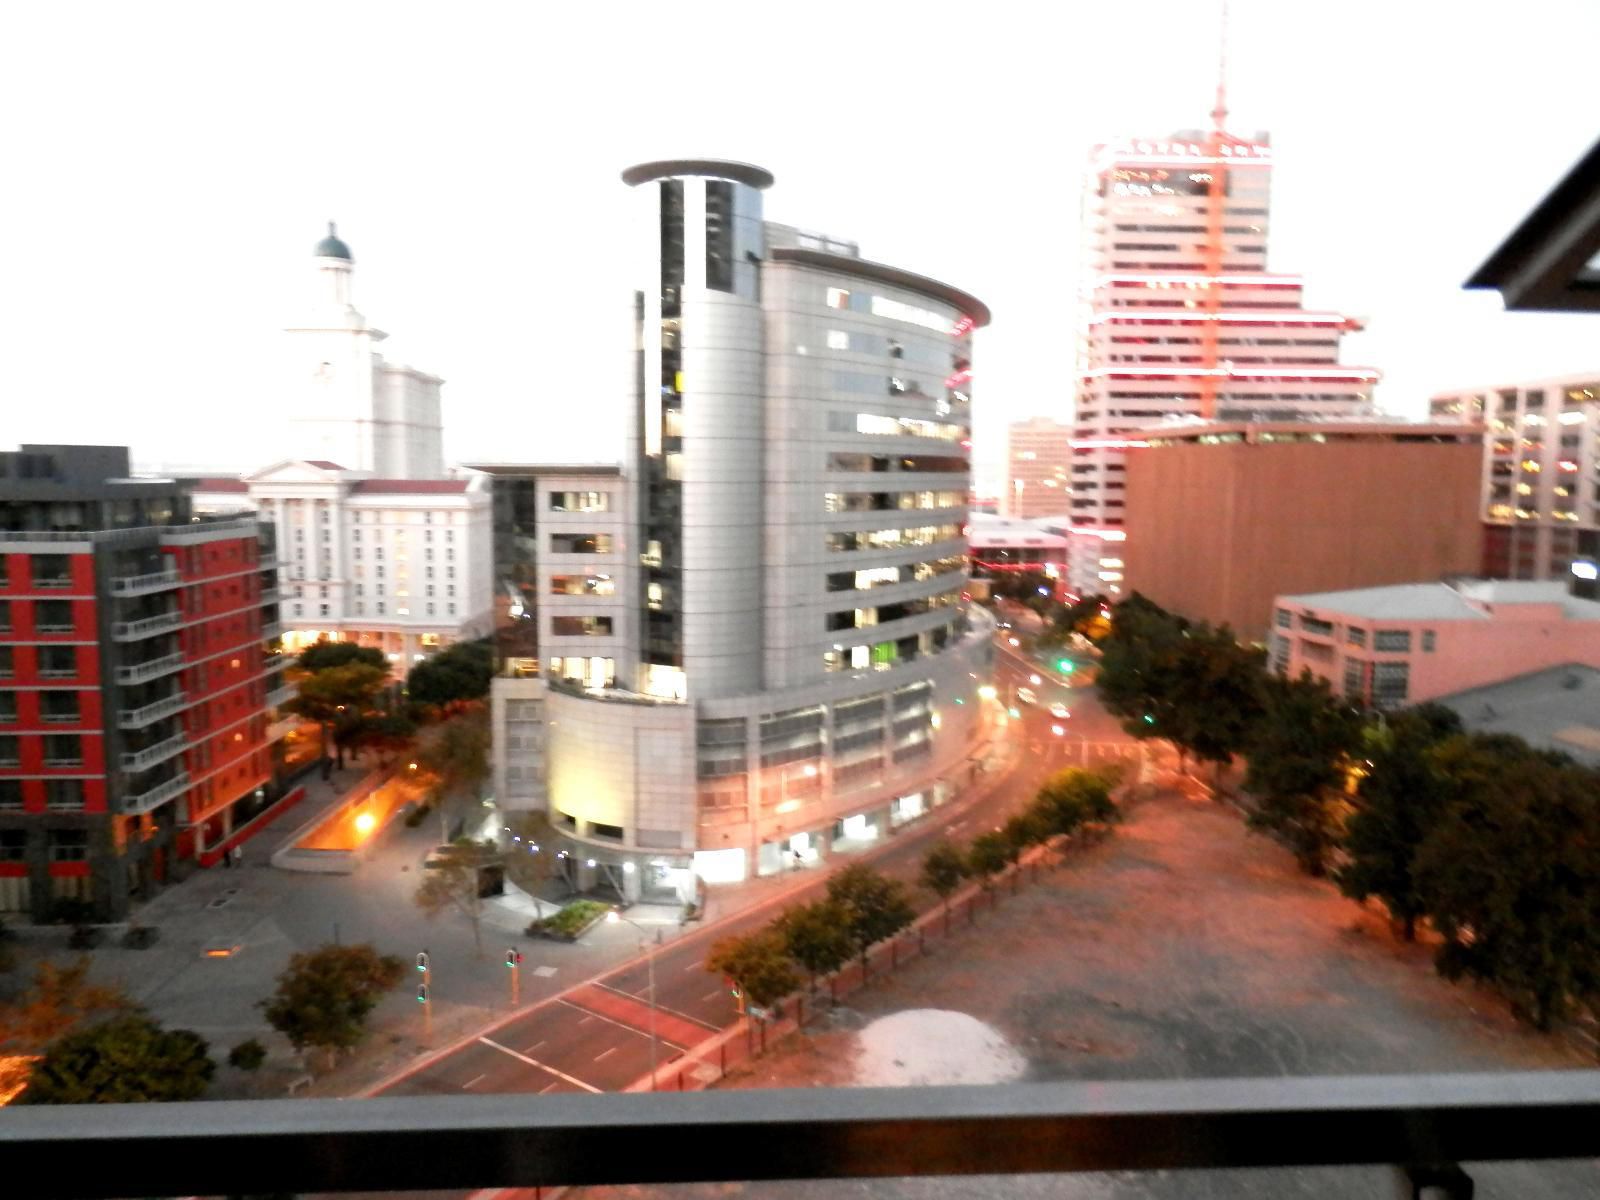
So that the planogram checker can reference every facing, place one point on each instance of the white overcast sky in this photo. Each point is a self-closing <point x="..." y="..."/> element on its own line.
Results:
<point x="169" y="167"/>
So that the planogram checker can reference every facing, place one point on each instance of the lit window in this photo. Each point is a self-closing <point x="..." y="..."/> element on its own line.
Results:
<point x="838" y="298"/>
<point x="838" y="339"/>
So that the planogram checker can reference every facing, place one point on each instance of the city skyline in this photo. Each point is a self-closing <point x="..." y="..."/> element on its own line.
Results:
<point x="175" y="226"/>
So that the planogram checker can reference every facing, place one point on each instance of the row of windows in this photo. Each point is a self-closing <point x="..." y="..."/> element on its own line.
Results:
<point x="49" y="616"/>
<point x="580" y="502"/>
<point x="883" y="656"/>
<point x="366" y="516"/>
<point x="863" y="618"/>
<point x="879" y="425"/>
<point x="888" y="539"/>
<point x="379" y="609"/>
<point x="60" y="750"/>
<point x="882" y="462"/>
<point x="834" y="502"/>
<point x="871" y="577"/>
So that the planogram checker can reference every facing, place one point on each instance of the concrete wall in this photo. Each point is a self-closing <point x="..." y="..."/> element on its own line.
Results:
<point x="1217" y="531"/>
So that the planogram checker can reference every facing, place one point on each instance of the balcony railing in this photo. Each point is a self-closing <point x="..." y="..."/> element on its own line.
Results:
<point x="1420" y="1124"/>
<point x="139" y="585"/>
<point x="155" y="668"/>
<point x="138" y="760"/>
<point x="281" y="695"/>
<point x="156" y="796"/>
<point x="271" y="629"/>
<point x="138" y="718"/>
<point x="269" y="595"/>
<point x="132" y="631"/>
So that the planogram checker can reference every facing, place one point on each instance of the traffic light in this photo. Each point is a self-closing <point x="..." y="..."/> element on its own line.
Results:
<point x="513" y="957"/>
<point x="735" y="991"/>
<point x="422" y="963"/>
<point x="1064" y="665"/>
<point x="1149" y="720"/>
<point x="422" y="993"/>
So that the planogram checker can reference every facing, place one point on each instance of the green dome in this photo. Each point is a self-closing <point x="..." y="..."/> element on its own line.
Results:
<point x="332" y="247"/>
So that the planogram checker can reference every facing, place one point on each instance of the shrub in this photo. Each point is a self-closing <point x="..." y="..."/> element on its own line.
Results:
<point x="571" y="920"/>
<point x="248" y="1055"/>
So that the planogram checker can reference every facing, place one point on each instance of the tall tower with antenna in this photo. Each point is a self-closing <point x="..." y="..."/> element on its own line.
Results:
<point x="1180" y="319"/>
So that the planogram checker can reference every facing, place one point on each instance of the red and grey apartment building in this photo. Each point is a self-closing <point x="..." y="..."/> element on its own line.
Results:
<point x="138" y="676"/>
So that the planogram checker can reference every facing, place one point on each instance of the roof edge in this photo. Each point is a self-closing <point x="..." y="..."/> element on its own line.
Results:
<point x="864" y="268"/>
<point x="717" y="168"/>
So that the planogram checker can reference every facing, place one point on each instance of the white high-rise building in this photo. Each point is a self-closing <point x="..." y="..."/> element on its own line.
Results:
<point x="753" y="643"/>
<point x="340" y="400"/>
<point x="1182" y="319"/>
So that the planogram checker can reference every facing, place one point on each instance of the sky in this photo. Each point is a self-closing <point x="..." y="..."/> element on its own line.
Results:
<point x="171" y="165"/>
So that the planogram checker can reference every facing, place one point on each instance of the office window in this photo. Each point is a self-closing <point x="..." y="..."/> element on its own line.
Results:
<point x="1391" y="682"/>
<point x="10" y="750"/>
<point x="1427" y="641"/>
<point x="51" y="571"/>
<point x="450" y="572"/>
<point x="430" y="608"/>
<point x="52" y="616"/>
<point x="11" y="798"/>
<point x="380" y="608"/>
<point x="69" y="845"/>
<point x="1392" y="640"/>
<point x="59" y="707"/>
<point x="58" y="662"/>
<point x="63" y="793"/>
<point x="452" y="610"/>
<point x="322" y="610"/>
<point x="450" y="589"/>
<point x="5" y="608"/>
<point x="1356" y="637"/>
<point x="63" y="750"/>
<point x="7" y="663"/>
<point x="13" y="842"/>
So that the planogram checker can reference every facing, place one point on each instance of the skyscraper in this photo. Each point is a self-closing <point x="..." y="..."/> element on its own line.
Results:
<point x="1181" y="318"/>
<point x="1038" y="463"/>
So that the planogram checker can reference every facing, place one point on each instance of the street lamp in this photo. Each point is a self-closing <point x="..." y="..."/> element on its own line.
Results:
<point x="612" y="918"/>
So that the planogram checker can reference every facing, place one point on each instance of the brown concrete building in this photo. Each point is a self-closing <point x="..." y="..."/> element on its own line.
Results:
<point x="1038" y="457"/>
<point x="1227" y="516"/>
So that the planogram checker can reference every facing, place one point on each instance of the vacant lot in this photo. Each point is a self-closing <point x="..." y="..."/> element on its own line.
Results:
<point x="1182" y="948"/>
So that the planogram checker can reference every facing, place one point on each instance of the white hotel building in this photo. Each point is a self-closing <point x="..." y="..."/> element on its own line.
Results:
<point x="400" y="564"/>
<point x="1182" y="319"/>
<point x="773" y="582"/>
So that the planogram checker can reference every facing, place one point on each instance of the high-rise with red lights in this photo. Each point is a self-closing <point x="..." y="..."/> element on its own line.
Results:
<point x="1182" y="319"/>
<point x="137" y="680"/>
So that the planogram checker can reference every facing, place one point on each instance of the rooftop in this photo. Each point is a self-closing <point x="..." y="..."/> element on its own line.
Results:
<point x="1557" y="708"/>
<point x="1465" y="600"/>
<point x="533" y="470"/>
<point x="404" y="486"/>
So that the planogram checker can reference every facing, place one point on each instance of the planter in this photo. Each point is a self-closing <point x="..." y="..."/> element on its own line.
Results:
<point x="571" y="923"/>
<point x="141" y="937"/>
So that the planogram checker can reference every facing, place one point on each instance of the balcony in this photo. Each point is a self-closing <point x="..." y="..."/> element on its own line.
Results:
<point x="156" y="796"/>
<point x="132" y="631"/>
<point x="155" y="668"/>
<point x="151" y="755"/>
<point x="269" y="595"/>
<point x="1420" y="1125"/>
<point x="138" y="718"/>
<point x="282" y="695"/>
<point x="271" y="629"/>
<point x="141" y="585"/>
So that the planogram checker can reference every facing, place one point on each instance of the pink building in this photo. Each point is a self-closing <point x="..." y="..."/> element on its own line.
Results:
<point x="1393" y="646"/>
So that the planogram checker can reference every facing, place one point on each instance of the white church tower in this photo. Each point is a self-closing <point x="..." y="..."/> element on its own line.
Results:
<point x="342" y="402"/>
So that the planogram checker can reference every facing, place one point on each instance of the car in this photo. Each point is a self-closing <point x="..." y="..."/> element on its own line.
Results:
<point x="1059" y="710"/>
<point x="1034" y="679"/>
<point x="1026" y="696"/>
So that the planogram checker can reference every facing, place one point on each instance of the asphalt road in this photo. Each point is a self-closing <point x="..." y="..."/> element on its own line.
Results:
<point x="596" y="1036"/>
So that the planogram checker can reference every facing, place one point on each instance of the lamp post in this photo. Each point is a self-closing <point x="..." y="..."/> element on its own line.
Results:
<point x="612" y="918"/>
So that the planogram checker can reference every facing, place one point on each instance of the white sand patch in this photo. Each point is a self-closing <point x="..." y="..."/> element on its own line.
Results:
<point x="930" y="1046"/>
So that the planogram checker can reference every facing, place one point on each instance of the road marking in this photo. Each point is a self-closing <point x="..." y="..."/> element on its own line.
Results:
<point x="532" y="1048"/>
<point x="551" y="1088"/>
<point x="588" y="1087"/>
<point x="619" y="1024"/>
<point x="471" y="1081"/>
<point x="711" y="995"/>
<point x="699" y="966"/>
<point x="605" y="1054"/>
<point x="661" y="1007"/>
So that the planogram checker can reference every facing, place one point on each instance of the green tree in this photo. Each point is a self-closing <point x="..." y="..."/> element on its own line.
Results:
<point x="460" y="672"/>
<point x="248" y="1055"/>
<point x="456" y="756"/>
<point x="389" y="734"/>
<point x="875" y="906"/>
<point x="817" y="937"/>
<point x="324" y="996"/>
<point x="758" y="962"/>
<point x="322" y="655"/>
<point x="1299" y="762"/>
<point x="989" y="855"/>
<point x="944" y="869"/>
<point x="1139" y="668"/>
<point x="1075" y="798"/>
<point x="453" y="879"/>
<point x="1215" y="694"/>
<point x="1510" y="873"/>
<point x="1027" y="828"/>
<point x="127" y="1059"/>
<point x="60" y="1000"/>
<point x="336" y="697"/>
<point x="1398" y="801"/>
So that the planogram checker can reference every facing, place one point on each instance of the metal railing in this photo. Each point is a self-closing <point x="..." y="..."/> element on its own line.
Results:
<point x="158" y="795"/>
<point x="131" y="631"/>
<point x="271" y="629"/>
<point x="139" y="585"/>
<point x="281" y="695"/>
<point x="152" y="669"/>
<point x="270" y="595"/>
<point x="138" y="718"/>
<point x="1424" y="1122"/>
<point x="138" y="760"/>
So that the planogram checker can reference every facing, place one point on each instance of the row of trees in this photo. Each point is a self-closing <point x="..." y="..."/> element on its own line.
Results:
<point x="1493" y="843"/>
<point x="863" y="907"/>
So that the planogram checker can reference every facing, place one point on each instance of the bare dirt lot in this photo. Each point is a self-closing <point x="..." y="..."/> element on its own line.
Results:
<point x="1183" y="947"/>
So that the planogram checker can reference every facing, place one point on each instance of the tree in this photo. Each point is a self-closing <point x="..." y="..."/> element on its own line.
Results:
<point x="127" y="1059"/>
<point x="453" y="878"/>
<point x="1215" y="694"/>
<point x="388" y="734"/>
<point x="457" y="757"/>
<point x="248" y="1055"/>
<point x="323" y="655"/>
<point x="1299" y="762"/>
<point x="758" y="962"/>
<point x="1509" y="873"/>
<point x="875" y="906"/>
<point x="324" y="996"/>
<point x="817" y="937"/>
<point x="529" y="857"/>
<point x="1137" y="681"/>
<point x="61" y="999"/>
<point x="460" y="672"/>
<point x="944" y="868"/>
<point x="1398" y="801"/>
<point x="1074" y="798"/>
<point x="337" y="696"/>
<point x="990" y="854"/>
